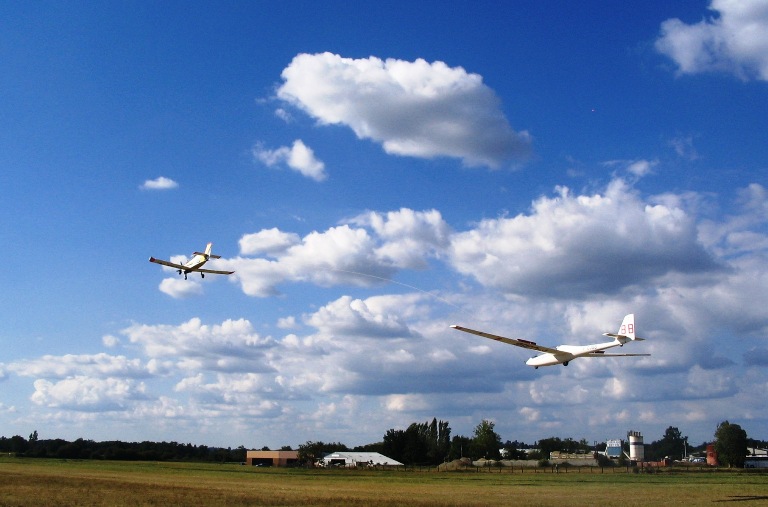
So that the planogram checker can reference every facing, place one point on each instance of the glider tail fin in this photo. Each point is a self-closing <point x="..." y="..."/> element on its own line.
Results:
<point x="626" y="331"/>
<point x="628" y="327"/>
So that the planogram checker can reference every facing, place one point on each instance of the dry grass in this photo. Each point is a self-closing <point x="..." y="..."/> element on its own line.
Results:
<point x="53" y="482"/>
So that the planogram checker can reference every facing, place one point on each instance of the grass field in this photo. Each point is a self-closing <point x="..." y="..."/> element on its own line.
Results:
<point x="56" y="482"/>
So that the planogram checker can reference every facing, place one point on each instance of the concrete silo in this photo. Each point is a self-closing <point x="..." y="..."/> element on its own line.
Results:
<point x="636" y="449"/>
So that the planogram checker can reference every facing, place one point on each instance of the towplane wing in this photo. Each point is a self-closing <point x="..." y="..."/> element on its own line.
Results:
<point x="214" y="272"/>
<point x="166" y="263"/>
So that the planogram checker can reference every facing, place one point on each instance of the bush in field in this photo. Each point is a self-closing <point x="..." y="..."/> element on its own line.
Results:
<point x="603" y="460"/>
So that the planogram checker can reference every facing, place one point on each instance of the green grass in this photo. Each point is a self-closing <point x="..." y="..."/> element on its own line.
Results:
<point x="57" y="482"/>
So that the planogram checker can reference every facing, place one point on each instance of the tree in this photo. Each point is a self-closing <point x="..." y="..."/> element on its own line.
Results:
<point x="549" y="445"/>
<point x="33" y="439"/>
<point x="672" y="445"/>
<point x="415" y="449"/>
<point x="460" y="447"/>
<point x="731" y="444"/>
<point x="372" y="447"/>
<point x="422" y="443"/>
<point x="311" y="451"/>
<point x="394" y="444"/>
<point x="486" y="442"/>
<point x="437" y="438"/>
<point x="240" y="454"/>
<point x="18" y="444"/>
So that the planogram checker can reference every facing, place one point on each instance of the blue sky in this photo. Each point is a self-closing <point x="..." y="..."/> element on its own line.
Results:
<point x="375" y="172"/>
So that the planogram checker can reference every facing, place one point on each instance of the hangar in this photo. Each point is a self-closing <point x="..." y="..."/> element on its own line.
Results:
<point x="272" y="458"/>
<point x="354" y="459"/>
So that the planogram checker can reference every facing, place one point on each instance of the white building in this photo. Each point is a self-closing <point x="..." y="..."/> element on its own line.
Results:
<point x="354" y="459"/>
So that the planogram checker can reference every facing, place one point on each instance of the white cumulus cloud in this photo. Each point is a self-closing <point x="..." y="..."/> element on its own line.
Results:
<point x="408" y="236"/>
<point x="735" y="41"/>
<point x="354" y="317"/>
<point x="567" y="245"/>
<point x="322" y="257"/>
<point x="159" y="183"/>
<point x="416" y="109"/>
<point x="84" y="393"/>
<point x="571" y="245"/>
<point x="268" y="241"/>
<point x="179" y="289"/>
<point x="298" y="157"/>
<point x="94" y="365"/>
<point x="230" y="346"/>
<point x="363" y="252"/>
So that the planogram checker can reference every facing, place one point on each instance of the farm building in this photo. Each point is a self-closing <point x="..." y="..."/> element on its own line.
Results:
<point x="756" y="462"/>
<point x="272" y="458"/>
<point x="613" y="448"/>
<point x="711" y="455"/>
<point x="353" y="459"/>
<point x="757" y="458"/>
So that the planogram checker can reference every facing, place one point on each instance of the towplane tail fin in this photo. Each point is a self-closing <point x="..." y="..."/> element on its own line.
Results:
<point x="207" y="254"/>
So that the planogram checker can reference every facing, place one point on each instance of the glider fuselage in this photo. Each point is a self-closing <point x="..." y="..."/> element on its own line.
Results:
<point x="563" y="354"/>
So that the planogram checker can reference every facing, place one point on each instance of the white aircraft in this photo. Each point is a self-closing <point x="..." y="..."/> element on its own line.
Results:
<point x="195" y="263"/>
<point x="563" y="354"/>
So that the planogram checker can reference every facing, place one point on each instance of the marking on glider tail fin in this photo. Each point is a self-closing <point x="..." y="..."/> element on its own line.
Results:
<point x="628" y="326"/>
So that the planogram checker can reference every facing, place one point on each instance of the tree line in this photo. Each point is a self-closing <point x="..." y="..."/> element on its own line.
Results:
<point x="428" y="443"/>
<point x="34" y="447"/>
<point x="431" y="443"/>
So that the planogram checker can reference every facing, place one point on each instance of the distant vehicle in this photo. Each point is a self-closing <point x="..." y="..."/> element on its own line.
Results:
<point x="194" y="264"/>
<point x="563" y="354"/>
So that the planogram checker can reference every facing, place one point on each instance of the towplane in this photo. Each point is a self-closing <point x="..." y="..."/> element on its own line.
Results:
<point x="563" y="354"/>
<point x="194" y="264"/>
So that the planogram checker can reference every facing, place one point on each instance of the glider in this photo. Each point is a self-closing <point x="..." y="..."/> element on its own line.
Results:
<point x="563" y="354"/>
<point x="194" y="264"/>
